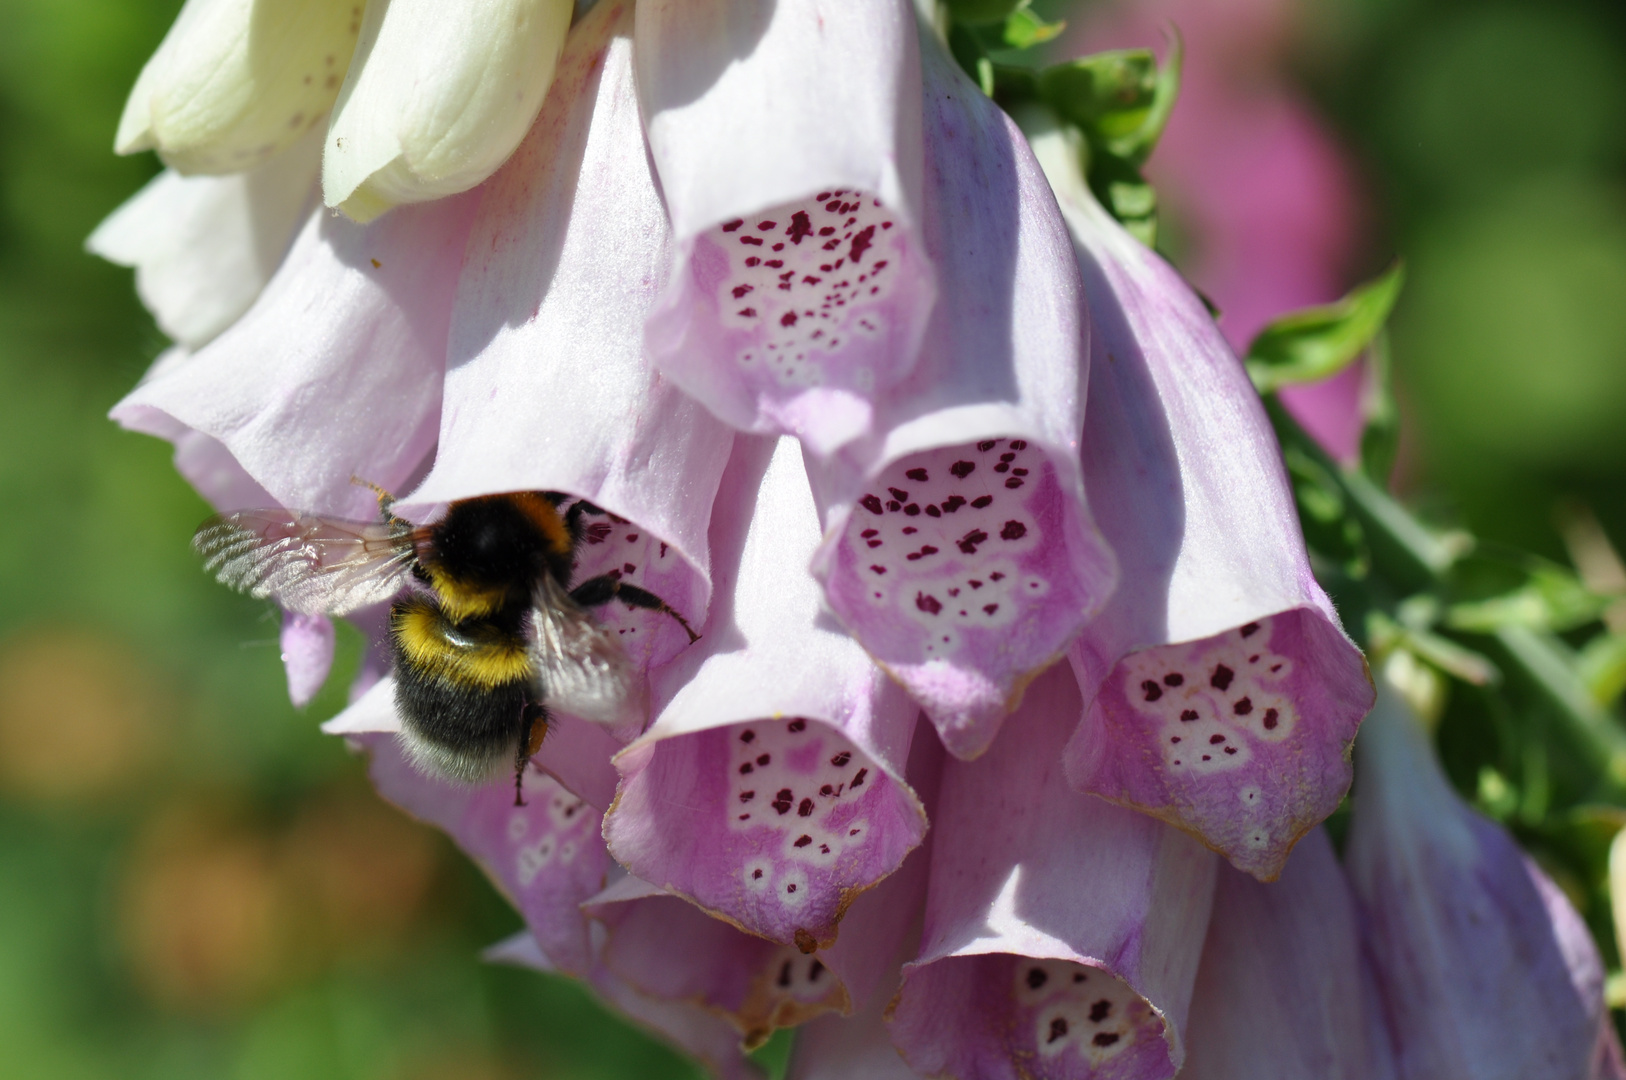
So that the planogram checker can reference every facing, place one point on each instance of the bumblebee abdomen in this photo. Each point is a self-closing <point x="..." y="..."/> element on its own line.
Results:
<point x="461" y="689"/>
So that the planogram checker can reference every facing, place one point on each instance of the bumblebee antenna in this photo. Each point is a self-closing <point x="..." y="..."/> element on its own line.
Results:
<point x="385" y="499"/>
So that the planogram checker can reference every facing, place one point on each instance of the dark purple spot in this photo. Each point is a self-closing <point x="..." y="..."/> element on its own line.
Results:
<point x="1007" y="457"/>
<point x="756" y="875"/>
<point x="1188" y="715"/>
<point x="767" y="226"/>
<point x="878" y="569"/>
<point x="862" y="242"/>
<point x="859" y="779"/>
<point x="788" y="319"/>
<point x="870" y="503"/>
<point x="1019" y="444"/>
<point x="927" y="603"/>
<point x="1002" y="468"/>
<point x="815" y="971"/>
<point x="1221" y="679"/>
<point x="990" y="608"/>
<point x="792" y="888"/>
<point x="913" y="509"/>
<point x="1102" y="1038"/>
<point x="1013" y="530"/>
<point x="1153" y="691"/>
<point x="898" y="494"/>
<point x="1270" y="719"/>
<point x="803" y="840"/>
<point x="987" y="445"/>
<point x="796" y="725"/>
<point x="747" y="796"/>
<point x="800" y="226"/>
<point x="1243" y="707"/>
<point x="753" y="261"/>
<point x="784" y="972"/>
<point x="805" y="809"/>
<point x="1250" y="630"/>
<point x="827" y="790"/>
<point x="968" y="543"/>
<point x="1230" y="749"/>
<point x="894" y="505"/>
<point x="1173" y="678"/>
<point x="1037" y="978"/>
<point x="932" y="511"/>
<point x="1174" y="739"/>
<point x="917" y="475"/>
<point x="747" y="769"/>
<point x="867" y="533"/>
<point x="1100" y="1011"/>
<point x="982" y="501"/>
<point x="1215" y="740"/>
<point x="747" y="735"/>
<point x="963" y="469"/>
<point x="952" y="503"/>
<point x="1058" y="1030"/>
<point x="841" y="759"/>
<point x="733" y="225"/>
<point x="741" y="290"/>
<point x="1014" y="482"/>
<point x="754" y="241"/>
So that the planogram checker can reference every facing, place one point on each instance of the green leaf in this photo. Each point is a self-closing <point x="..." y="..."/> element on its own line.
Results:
<point x="967" y="49"/>
<point x="1311" y="344"/>
<point x="1380" y="433"/>
<point x="1551" y="599"/>
<point x="1024" y="29"/>
<point x="1385" y="634"/>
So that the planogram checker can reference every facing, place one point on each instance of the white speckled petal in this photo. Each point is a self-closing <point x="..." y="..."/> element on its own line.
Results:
<point x="203" y="246"/>
<point x="336" y="370"/>
<point x="1283" y="991"/>
<point x="547" y="387"/>
<point x="1223" y="694"/>
<point x="666" y="948"/>
<point x="235" y="82"/>
<point x="787" y="138"/>
<point x="438" y="97"/>
<point x="959" y="549"/>
<point x="1062" y="933"/>
<point x="1480" y="982"/>
<point x="770" y="789"/>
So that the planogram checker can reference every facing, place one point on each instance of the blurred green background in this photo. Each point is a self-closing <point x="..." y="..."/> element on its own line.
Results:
<point x="195" y="883"/>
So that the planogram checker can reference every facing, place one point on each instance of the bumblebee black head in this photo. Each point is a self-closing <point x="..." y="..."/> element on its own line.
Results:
<point x="486" y="553"/>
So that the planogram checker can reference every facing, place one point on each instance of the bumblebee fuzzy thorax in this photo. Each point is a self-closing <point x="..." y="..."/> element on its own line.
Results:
<point x="486" y="554"/>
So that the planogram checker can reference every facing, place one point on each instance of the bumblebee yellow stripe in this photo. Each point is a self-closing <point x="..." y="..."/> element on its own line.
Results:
<point x="475" y="656"/>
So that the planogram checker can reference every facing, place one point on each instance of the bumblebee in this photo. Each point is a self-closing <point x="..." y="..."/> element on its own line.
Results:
<point x="492" y="632"/>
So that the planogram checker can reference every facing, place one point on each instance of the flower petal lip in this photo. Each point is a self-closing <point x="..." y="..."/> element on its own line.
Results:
<point x="1223" y="694"/>
<point x="669" y="949"/>
<point x="546" y="857"/>
<point x="236" y="82"/>
<point x="1475" y="973"/>
<point x="787" y="140"/>
<point x="1283" y="991"/>
<point x="1058" y="928"/>
<point x="546" y="385"/>
<point x="970" y="484"/>
<point x="437" y="98"/>
<point x="770" y="789"/>
<point x="307" y="654"/>
<point x="336" y="370"/>
<point x="204" y="246"/>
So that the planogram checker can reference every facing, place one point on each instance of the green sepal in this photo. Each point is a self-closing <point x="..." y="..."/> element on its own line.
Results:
<point x="1384" y="634"/>
<point x="1024" y="29"/>
<point x="969" y="52"/>
<point x="1551" y="599"/>
<point x="984" y="12"/>
<point x="1380" y="431"/>
<point x="1109" y="95"/>
<point x="1313" y="343"/>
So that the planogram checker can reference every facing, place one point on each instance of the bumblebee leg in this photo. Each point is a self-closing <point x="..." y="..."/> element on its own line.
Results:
<point x="535" y="719"/>
<point x="596" y="592"/>
<point x="385" y="499"/>
<point x="573" y="516"/>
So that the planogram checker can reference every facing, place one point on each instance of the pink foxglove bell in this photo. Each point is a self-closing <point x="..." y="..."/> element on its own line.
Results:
<point x="1013" y="690"/>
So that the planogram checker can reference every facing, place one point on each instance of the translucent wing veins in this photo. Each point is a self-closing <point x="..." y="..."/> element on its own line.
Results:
<point x="306" y="563"/>
<point x="580" y="666"/>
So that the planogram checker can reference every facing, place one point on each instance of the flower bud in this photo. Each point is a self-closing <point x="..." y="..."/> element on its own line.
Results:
<point x="439" y="96"/>
<point x="236" y="81"/>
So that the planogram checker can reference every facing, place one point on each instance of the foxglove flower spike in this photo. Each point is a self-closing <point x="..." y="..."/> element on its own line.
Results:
<point x="1062" y="933"/>
<point x="787" y="138"/>
<point x="959" y="549"/>
<point x="770" y="789"/>
<point x="1222" y="692"/>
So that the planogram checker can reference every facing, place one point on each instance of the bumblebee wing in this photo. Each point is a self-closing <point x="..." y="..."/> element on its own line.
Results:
<point x="580" y="666"/>
<point x="309" y="564"/>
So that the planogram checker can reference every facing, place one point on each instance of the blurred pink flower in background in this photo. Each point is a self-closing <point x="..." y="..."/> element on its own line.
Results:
<point x="1265" y="203"/>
